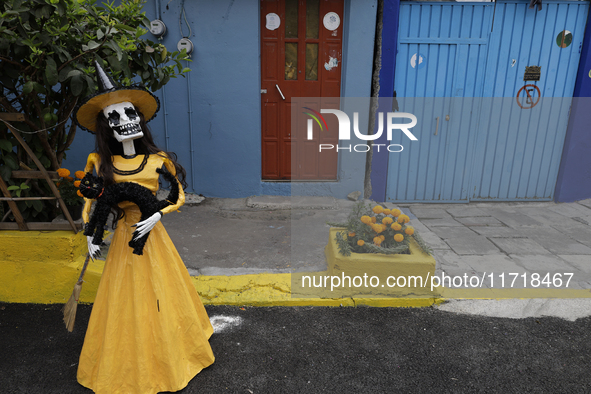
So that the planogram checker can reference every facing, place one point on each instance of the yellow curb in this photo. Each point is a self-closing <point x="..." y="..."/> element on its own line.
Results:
<point x="43" y="268"/>
<point x="275" y="290"/>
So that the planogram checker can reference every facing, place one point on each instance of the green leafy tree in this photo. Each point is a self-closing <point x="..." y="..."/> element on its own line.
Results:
<point x="47" y="51"/>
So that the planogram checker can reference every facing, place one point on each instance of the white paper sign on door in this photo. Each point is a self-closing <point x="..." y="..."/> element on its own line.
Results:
<point x="331" y="21"/>
<point x="273" y="21"/>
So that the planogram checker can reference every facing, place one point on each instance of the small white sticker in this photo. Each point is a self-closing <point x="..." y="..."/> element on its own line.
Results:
<point x="417" y="61"/>
<point x="332" y="63"/>
<point x="331" y="21"/>
<point x="273" y="21"/>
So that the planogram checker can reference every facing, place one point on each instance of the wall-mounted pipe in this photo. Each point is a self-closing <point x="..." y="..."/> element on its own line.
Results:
<point x="158" y="9"/>
<point x="164" y="110"/>
<point x="190" y="101"/>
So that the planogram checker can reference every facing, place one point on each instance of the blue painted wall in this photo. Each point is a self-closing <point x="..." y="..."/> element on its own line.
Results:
<point x="574" y="176"/>
<point x="218" y="137"/>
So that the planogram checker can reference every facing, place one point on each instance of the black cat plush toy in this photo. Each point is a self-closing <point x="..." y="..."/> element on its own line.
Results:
<point x="109" y="196"/>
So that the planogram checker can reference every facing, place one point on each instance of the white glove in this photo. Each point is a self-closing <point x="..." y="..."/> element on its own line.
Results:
<point x="145" y="226"/>
<point x="93" y="250"/>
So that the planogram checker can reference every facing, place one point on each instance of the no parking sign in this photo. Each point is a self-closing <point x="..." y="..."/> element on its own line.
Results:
<point x="528" y="96"/>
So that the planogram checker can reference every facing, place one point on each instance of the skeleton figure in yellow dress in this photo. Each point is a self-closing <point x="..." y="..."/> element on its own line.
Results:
<point x="148" y="331"/>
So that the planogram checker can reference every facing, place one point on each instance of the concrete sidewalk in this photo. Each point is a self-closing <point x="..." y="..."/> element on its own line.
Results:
<point x="288" y="234"/>
<point x="523" y="238"/>
<point x="242" y="251"/>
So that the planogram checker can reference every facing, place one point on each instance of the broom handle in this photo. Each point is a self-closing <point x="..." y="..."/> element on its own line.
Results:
<point x="84" y="268"/>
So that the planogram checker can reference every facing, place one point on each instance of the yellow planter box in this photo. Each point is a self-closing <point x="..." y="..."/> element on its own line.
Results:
<point x="398" y="275"/>
<point x="43" y="267"/>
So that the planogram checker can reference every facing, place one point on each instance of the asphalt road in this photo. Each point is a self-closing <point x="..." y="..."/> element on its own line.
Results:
<point x="328" y="350"/>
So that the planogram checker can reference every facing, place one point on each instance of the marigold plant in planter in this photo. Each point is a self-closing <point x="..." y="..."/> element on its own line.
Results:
<point x="377" y="253"/>
<point x="377" y="230"/>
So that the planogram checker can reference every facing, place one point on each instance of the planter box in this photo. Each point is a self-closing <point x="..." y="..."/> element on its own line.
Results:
<point x="398" y="275"/>
<point x="43" y="267"/>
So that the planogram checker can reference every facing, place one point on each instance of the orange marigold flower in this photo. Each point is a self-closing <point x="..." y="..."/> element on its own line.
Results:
<point x="378" y="209"/>
<point x="63" y="172"/>
<point x="387" y="220"/>
<point x="382" y="237"/>
<point x="373" y="219"/>
<point x="69" y="178"/>
<point x="78" y="193"/>
<point x="351" y="234"/>
<point x="361" y="242"/>
<point x="409" y="230"/>
<point x="378" y="228"/>
<point x="403" y="219"/>
<point x="77" y="183"/>
<point x="399" y="238"/>
<point x="386" y="211"/>
<point x="395" y="212"/>
<point x="79" y="174"/>
<point x="377" y="240"/>
<point x="396" y="226"/>
<point x="365" y="219"/>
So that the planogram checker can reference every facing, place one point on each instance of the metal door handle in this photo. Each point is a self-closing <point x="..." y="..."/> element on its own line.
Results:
<point x="437" y="127"/>
<point x="280" y="92"/>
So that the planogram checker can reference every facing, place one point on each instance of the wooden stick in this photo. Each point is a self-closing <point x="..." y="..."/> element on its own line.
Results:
<point x="15" y="211"/>
<point x="72" y="305"/>
<point x="26" y="198"/>
<point x="46" y="175"/>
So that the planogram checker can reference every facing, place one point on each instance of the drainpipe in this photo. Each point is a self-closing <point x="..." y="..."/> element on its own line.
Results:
<point x="165" y="111"/>
<point x="190" y="101"/>
<point x="166" y="136"/>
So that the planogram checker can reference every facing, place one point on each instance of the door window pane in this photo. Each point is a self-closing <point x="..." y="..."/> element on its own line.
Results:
<point x="312" y="17"/>
<point x="291" y="60"/>
<point x="291" y="18"/>
<point x="312" y="62"/>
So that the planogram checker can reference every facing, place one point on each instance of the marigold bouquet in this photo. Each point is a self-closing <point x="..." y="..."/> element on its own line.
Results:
<point x="68" y="187"/>
<point x="377" y="230"/>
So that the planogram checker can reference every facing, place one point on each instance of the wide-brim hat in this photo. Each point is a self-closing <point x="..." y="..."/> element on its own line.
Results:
<point x="108" y="93"/>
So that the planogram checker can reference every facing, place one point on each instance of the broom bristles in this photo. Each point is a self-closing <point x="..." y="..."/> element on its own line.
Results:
<point x="71" y="307"/>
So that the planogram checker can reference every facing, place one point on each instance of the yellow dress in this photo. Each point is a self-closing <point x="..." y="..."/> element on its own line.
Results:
<point x="148" y="331"/>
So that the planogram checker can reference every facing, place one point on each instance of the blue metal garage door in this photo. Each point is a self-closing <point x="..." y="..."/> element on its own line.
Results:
<point x="459" y="67"/>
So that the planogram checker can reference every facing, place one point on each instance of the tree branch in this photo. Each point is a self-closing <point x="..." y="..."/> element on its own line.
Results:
<point x="70" y="139"/>
<point x="84" y="53"/>
<point x="7" y="60"/>
<point x="7" y="105"/>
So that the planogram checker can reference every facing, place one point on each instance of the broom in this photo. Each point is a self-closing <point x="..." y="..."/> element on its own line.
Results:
<point x="72" y="304"/>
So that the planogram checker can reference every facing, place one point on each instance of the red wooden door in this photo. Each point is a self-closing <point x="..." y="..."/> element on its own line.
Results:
<point x="300" y="57"/>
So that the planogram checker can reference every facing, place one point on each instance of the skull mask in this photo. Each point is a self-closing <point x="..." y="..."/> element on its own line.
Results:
<point x="124" y="120"/>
